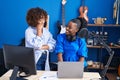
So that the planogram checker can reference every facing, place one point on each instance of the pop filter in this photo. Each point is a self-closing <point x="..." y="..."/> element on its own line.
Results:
<point x="83" y="33"/>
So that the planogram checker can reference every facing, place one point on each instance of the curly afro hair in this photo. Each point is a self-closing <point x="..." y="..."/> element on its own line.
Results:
<point x="35" y="14"/>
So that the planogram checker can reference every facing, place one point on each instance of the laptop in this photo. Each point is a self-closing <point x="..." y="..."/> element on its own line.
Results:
<point x="70" y="70"/>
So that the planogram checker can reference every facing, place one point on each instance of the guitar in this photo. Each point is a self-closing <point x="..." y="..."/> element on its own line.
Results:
<point x="119" y="70"/>
<point x="83" y="11"/>
<point x="62" y="28"/>
<point x="46" y="24"/>
<point x="116" y="10"/>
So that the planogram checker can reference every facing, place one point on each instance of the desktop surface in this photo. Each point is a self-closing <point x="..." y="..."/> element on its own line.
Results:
<point x="40" y="74"/>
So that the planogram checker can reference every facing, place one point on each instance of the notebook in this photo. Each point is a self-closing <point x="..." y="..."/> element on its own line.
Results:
<point x="70" y="69"/>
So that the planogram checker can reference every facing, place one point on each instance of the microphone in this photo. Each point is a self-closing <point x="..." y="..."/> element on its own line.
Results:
<point x="84" y="33"/>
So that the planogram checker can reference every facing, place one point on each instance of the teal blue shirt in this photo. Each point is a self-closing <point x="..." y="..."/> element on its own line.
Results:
<point x="72" y="51"/>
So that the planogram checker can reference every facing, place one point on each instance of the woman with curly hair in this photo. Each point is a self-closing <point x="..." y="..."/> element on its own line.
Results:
<point x="38" y="37"/>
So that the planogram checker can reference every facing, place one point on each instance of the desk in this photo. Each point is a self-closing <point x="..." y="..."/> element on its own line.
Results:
<point x="86" y="76"/>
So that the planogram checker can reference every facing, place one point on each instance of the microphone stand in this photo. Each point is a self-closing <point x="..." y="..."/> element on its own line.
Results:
<point x="110" y="51"/>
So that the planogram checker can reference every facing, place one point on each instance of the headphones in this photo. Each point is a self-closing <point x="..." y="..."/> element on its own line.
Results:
<point x="71" y="38"/>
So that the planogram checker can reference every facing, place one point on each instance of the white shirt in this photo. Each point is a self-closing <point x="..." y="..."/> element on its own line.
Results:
<point x="34" y="41"/>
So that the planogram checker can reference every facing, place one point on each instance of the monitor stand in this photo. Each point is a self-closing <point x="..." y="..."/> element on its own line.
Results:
<point x="14" y="74"/>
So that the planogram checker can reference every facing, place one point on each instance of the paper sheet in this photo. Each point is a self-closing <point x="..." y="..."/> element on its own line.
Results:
<point x="49" y="76"/>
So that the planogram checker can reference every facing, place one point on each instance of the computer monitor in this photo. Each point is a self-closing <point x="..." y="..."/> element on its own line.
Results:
<point x="20" y="59"/>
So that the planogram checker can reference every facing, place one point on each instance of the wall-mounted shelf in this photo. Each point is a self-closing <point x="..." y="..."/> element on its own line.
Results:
<point x="90" y="46"/>
<point x="104" y="25"/>
<point x="101" y="28"/>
